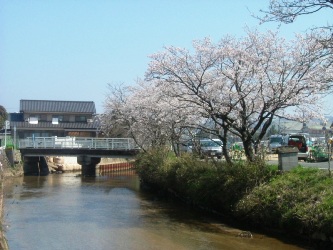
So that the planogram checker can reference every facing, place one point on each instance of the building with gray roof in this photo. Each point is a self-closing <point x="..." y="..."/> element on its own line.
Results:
<point x="45" y="118"/>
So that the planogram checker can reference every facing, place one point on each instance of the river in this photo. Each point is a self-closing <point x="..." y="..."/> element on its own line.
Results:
<point x="66" y="211"/>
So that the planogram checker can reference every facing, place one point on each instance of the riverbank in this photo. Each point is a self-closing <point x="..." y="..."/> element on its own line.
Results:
<point x="6" y="171"/>
<point x="3" y="243"/>
<point x="259" y="196"/>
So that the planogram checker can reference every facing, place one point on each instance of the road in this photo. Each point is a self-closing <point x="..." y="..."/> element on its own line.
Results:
<point x="273" y="159"/>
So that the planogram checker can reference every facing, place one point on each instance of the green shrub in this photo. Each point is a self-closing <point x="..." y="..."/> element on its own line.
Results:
<point x="149" y="166"/>
<point x="204" y="182"/>
<point x="300" y="201"/>
<point x="194" y="179"/>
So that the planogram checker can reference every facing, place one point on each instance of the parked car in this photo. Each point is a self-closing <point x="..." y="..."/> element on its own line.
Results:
<point x="276" y="141"/>
<point x="299" y="141"/>
<point x="207" y="147"/>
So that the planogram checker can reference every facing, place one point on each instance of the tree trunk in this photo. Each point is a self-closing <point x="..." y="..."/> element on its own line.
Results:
<point x="248" y="149"/>
<point x="225" y="150"/>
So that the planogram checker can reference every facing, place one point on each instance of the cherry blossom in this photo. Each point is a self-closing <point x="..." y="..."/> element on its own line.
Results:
<point x="243" y="83"/>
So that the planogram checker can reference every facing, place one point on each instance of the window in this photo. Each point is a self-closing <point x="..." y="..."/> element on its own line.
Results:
<point x="33" y="120"/>
<point x="55" y="120"/>
<point x="80" y="118"/>
<point x="42" y="118"/>
<point x="58" y="117"/>
<point x="65" y="118"/>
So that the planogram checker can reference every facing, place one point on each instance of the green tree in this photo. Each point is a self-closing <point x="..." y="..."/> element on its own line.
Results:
<point x="3" y="116"/>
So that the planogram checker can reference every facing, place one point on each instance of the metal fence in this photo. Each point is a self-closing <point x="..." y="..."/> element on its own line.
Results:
<point x="78" y="142"/>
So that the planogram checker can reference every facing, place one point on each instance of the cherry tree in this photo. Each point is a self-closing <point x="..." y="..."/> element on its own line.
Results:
<point x="151" y="118"/>
<point x="194" y="81"/>
<point x="241" y="84"/>
<point x="114" y="122"/>
<point x="127" y="107"/>
<point x="287" y="11"/>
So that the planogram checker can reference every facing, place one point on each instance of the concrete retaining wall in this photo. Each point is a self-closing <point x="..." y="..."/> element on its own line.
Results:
<point x="70" y="163"/>
<point x="113" y="167"/>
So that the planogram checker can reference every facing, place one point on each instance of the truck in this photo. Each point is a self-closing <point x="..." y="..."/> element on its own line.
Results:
<point x="302" y="142"/>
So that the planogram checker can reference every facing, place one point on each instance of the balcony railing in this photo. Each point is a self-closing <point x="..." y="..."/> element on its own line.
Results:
<point x="78" y="142"/>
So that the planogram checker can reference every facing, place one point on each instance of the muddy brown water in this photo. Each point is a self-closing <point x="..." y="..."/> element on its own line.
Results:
<point x="66" y="211"/>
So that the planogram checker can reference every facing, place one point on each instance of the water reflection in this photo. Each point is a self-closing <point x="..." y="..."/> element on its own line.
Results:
<point x="110" y="212"/>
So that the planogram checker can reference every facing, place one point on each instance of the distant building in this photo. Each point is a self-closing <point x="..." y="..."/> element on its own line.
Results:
<point x="313" y="127"/>
<point x="45" y="118"/>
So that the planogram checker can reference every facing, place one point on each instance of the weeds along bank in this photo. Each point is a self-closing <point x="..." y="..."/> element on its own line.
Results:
<point x="6" y="171"/>
<point x="298" y="203"/>
<point x="3" y="243"/>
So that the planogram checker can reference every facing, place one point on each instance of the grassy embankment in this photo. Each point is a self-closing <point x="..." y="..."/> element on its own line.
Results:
<point x="298" y="203"/>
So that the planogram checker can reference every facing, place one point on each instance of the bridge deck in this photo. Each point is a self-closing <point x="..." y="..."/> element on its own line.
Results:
<point x="77" y="146"/>
<point x="78" y="142"/>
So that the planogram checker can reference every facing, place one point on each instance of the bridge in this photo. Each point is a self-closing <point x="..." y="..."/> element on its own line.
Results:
<point x="88" y="151"/>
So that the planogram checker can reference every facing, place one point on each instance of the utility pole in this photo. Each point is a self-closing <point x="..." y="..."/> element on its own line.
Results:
<point x="14" y="137"/>
<point x="328" y="147"/>
<point x="6" y="127"/>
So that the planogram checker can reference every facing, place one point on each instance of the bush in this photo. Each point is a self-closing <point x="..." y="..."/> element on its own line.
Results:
<point x="300" y="201"/>
<point x="204" y="182"/>
<point x="149" y="166"/>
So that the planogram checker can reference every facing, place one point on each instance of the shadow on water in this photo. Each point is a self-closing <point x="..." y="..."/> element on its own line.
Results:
<point x="179" y="212"/>
<point x="111" y="211"/>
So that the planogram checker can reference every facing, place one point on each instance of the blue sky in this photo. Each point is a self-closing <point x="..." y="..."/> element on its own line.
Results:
<point x="71" y="50"/>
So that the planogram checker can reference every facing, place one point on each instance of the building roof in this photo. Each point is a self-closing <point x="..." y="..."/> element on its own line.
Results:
<point x="48" y="125"/>
<point x="57" y="106"/>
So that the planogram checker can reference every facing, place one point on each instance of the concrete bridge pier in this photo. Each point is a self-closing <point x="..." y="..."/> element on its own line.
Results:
<point x="88" y="164"/>
<point x="35" y="165"/>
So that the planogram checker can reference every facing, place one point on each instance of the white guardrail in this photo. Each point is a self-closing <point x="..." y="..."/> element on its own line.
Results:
<point x="78" y="142"/>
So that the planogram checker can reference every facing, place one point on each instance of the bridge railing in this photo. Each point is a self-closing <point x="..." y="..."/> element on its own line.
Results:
<point x="78" y="142"/>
